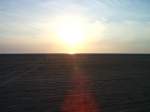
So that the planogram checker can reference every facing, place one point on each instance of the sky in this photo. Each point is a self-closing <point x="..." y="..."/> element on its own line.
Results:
<point x="109" y="26"/>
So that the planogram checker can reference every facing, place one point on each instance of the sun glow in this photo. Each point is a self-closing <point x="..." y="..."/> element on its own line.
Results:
<point x="71" y="32"/>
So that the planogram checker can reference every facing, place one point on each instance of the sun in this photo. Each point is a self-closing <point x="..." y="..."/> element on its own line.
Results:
<point x="71" y="32"/>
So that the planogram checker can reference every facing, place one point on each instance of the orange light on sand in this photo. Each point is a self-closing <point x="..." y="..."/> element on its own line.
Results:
<point x="79" y="99"/>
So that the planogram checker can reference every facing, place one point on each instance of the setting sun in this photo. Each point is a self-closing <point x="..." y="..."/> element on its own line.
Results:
<point x="70" y="31"/>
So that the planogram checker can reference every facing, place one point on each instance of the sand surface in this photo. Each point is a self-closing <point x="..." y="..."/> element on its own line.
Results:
<point x="74" y="83"/>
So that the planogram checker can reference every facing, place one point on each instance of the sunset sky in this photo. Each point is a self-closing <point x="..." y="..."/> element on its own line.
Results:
<point x="80" y="26"/>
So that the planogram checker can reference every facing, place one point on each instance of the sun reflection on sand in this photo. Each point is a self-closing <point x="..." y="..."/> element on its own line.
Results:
<point x="79" y="99"/>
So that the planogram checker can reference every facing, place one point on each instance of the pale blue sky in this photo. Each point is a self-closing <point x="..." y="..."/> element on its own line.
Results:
<point x="25" y="25"/>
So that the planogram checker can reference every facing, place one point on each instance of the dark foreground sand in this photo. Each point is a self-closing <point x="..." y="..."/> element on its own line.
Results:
<point x="75" y="83"/>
